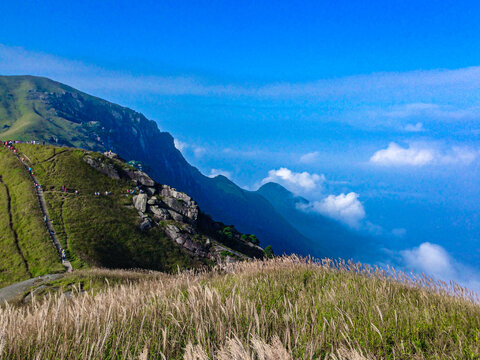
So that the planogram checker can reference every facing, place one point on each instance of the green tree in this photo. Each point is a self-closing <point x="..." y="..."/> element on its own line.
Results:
<point x="227" y="231"/>
<point x="269" y="252"/>
<point x="253" y="239"/>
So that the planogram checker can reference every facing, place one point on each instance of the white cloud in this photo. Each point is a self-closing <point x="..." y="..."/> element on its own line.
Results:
<point x="459" y="155"/>
<point x="396" y="155"/>
<point x="429" y="258"/>
<point x="294" y="180"/>
<point x="310" y="157"/>
<point x="434" y="260"/>
<point x="428" y="110"/>
<point x="418" y="127"/>
<point x="180" y="145"/>
<point x="199" y="151"/>
<point x="420" y="155"/>
<point x="216" y="172"/>
<point x="344" y="207"/>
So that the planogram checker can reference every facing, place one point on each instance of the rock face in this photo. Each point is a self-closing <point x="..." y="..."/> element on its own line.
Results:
<point x="160" y="214"/>
<point x="182" y="238"/>
<point x="140" y="177"/>
<point x="170" y="205"/>
<point x="146" y="224"/>
<point x="140" y="202"/>
<point x="180" y="202"/>
<point x="103" y="167"/>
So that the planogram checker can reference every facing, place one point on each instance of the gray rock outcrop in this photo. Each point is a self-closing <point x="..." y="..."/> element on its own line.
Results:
<point x="180" y="202"/>
<point x="140" y="177"/>
<point x="160" y="214"/>
<point x="140" y="202"/>
<point x="103" y="167"/>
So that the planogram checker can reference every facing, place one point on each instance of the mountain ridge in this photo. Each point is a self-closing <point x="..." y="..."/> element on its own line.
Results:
<point x="46" y="110"/>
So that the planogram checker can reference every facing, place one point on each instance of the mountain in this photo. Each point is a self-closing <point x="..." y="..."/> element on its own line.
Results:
<point x="103" y="213"/>
<point x="331" y="238"/>
<point x="34" y="108"/>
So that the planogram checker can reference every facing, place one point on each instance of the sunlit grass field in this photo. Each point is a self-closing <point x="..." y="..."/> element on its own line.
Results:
<point x="284" y="308"/>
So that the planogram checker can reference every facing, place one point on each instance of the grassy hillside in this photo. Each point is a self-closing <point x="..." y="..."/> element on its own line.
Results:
<point x="103" y="230"/>
<point x="97" y="230"/>
<point x="25" y="247"/>
<point x="285" y="308"/>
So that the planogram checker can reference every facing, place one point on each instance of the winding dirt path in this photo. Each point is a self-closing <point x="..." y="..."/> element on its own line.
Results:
<point x="17" y="290"/>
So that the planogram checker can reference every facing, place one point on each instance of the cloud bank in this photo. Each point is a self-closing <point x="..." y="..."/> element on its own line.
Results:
<point x="433" y="260"/>
<point x="416" y="88"/>
<point x="429" y="258"/>
<point x="420" y="155"/>
<point x="294" y="181"/>
<point x="345" y="208"/>
<point x="394" y="154"/>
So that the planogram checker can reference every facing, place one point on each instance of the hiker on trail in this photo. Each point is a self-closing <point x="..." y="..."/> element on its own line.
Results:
<point x="63" y="255"/>
<point x="76" y="192"/>
<point x="30" y="170"/>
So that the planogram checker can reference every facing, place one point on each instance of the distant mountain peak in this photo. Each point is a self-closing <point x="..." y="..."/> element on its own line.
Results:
<point x="275" y="190"/>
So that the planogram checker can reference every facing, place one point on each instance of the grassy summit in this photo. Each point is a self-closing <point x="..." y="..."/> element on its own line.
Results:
<point x="285" y="308"/>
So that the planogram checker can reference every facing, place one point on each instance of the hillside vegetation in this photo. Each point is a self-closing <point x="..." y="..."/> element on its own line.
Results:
<point x="97" y="219"/>
<point x="25" y="247"/>
<point x="285" y="308"/>
<point x="97" y="230"/>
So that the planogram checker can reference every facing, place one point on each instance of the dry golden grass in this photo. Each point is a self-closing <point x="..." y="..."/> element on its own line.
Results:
<point x="285" y="308"/>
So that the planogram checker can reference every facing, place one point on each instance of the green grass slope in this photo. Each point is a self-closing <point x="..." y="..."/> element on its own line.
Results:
<point x="25" y="246"/>
<point x="26" y="114"/>
<point x="98" y="230"/>
<point x="281" y="309"/>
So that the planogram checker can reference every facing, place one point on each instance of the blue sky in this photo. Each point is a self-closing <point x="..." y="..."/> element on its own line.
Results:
<point x="368" y="109"/>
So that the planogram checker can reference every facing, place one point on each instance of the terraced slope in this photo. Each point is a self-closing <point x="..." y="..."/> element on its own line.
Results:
<point x="25" y="247"/>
